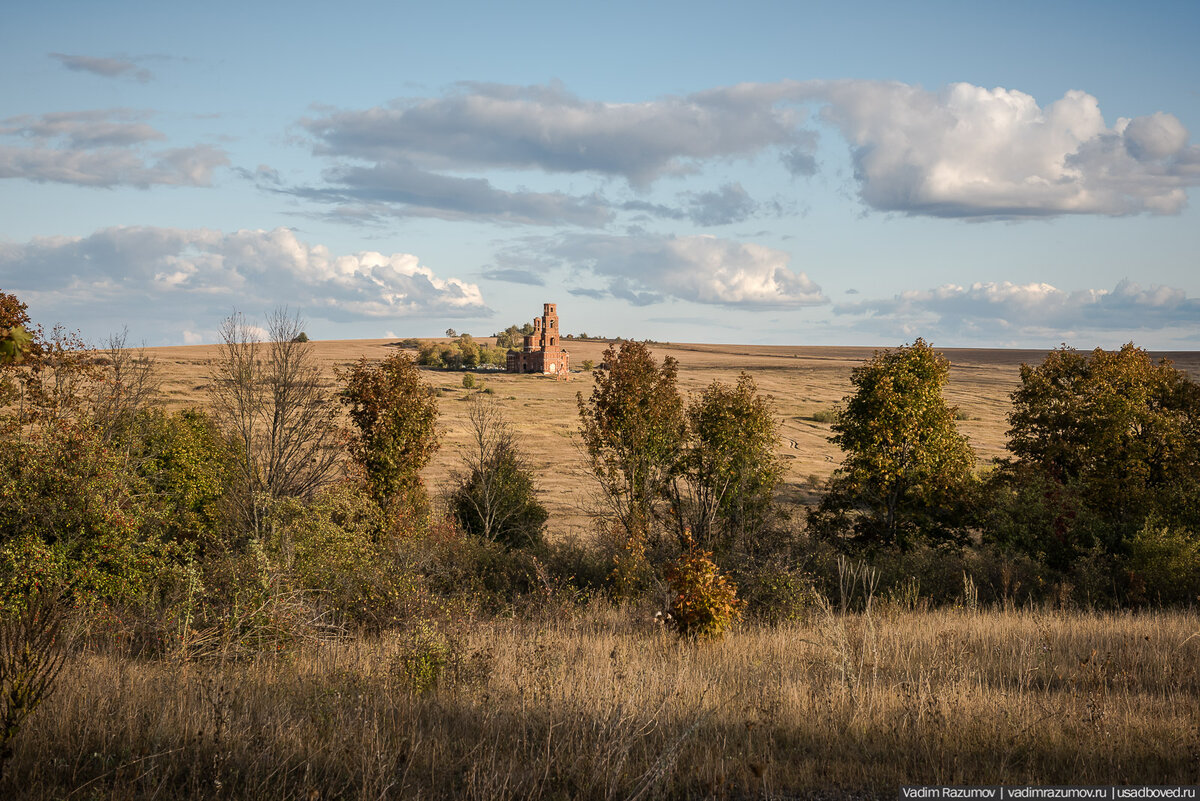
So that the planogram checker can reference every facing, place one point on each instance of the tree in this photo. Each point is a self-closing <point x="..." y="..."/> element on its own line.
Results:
<point x="270" y="400"/>
<point x="184" y="462"/>
<point x="395" y="414"/>
<point x="510" y="338"/>
<point x="17" y="340"/>
<point x="725" y="489"/>
<point x="907" y="472"/>
<point x="633" y="431"/>
<point x="70" y="516"/>
<point x="1101" y="443"/>
<point x="128" y="386"/>
<point x="495" y="497"/>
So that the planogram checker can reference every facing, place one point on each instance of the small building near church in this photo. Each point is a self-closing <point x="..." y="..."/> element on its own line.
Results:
<point x="542" y="351"/>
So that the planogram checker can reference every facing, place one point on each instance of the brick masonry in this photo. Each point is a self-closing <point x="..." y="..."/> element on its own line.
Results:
<point x="542" y="352"/>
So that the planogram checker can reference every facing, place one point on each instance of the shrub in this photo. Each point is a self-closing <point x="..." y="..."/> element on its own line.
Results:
<point x="396" y="416"/>
<point x="334" y="549"/>
<point x="588" y="365"/>
<point x="70" y="513"/>
<point x="186" y="464"/>
<point x="704" y="603"/>
<point x="1164" y="565"/>
<point x="425" y="654"/>
<point x="495" y="497"/>
<point x="33" y="649"/>
<point x="823" y="416"/>
<point x="468" y="381"/>
<point x="778" y="592"/>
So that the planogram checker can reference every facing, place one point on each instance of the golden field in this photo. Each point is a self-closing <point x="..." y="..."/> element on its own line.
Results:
<point x="802" y="380"/>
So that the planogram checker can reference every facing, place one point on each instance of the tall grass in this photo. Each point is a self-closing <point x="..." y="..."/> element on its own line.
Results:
<point x="601" y="704"/>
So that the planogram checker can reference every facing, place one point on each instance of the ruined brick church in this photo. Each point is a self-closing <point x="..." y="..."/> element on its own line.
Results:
<point x="542" y="352"/>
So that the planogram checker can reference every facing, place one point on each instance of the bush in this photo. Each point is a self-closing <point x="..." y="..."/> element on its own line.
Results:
<point x="186" y="465"/>
<point x="703" y="602"/>
<point x="1164" y="565"/>
<point x="468" y="381"/>
<point x="778" y="592"/>
<point x="425" y="654"/>
<point x="71" y="515"/>
<point x="588" y="365"/>
<point x="495" y="497"/>
<point x="823" y="416"/>
<point x="395" y="415"/>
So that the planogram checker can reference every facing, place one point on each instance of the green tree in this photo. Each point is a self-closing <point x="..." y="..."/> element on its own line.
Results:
<point x="725" y="489"/>
<point x="495" y="498"/>
<point x="510" y="338"/>
<point x="395" y="414"/>
<point x="70" y="516"/>
<point x="907" y="472"/>
<point x="186" y="465"/>
<point x="1101" y="443"/>
<point x="17" y="339"/>
<point x="633" y="430"/>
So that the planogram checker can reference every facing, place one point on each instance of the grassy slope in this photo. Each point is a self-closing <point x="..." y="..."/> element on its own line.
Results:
<point x="594" y="704"/>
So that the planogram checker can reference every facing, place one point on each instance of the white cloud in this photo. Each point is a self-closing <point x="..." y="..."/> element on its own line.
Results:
<point x="644" y="269"/>
<point x="102" y="148"/>
<point x="967" y="151"/>
<point x="962" y="151"/>
<point x="1005" y="310"/>
<point x="145" y="270"/>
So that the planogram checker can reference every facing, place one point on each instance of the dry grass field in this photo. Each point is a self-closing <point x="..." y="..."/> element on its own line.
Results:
<point x="595" y="703"/>
<point x="803" y="381"/>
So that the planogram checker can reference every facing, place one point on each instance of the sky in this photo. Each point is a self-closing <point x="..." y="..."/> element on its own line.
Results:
<point x="980" y="175"/>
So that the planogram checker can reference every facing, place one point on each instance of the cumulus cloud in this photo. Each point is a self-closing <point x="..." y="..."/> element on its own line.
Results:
<point x="644" y="269"/>
<point x="104" y="67"/>
<point x="156" y="268"/>
<point x="101" y="148"/>
<point x="1006" y="309"/>
<point x="961" y="151"/>
<point x="967" y="151"/>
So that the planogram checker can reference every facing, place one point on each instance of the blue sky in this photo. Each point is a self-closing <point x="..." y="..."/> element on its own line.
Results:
<point x="1005" y="175"/>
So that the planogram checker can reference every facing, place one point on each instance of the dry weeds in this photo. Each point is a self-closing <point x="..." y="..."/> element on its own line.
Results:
<point x="601" y="706"/>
